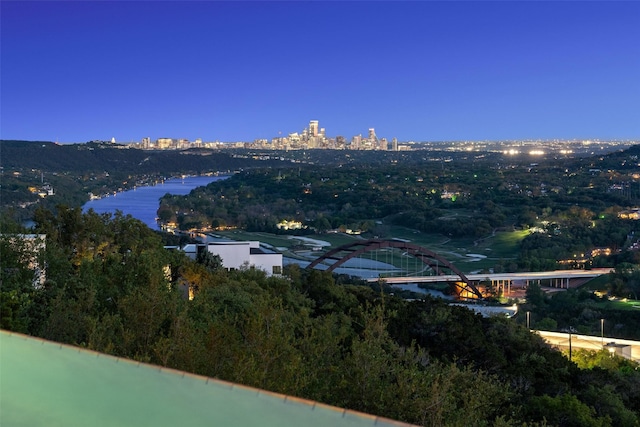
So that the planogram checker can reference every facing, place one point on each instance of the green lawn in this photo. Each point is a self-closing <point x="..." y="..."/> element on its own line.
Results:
<point x="618" y="304"/>
<point x="417" y="237"/>
<point x="272" y="239"/>
<point x="600" y="283"/>
<point x="502" y="245"/>
<point x="505" y="243"/>
<point x="336" y="239"/>
<point x="483" y="264"/>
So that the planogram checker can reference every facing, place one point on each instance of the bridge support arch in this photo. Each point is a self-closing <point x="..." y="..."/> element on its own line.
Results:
<point x="462" y="288"/>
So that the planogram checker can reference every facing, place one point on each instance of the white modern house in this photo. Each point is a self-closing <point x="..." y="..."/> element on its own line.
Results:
<point x="236" y="255"/>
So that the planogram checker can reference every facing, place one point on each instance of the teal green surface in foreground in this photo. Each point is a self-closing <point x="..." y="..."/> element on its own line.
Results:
<point x="43" y="383"/>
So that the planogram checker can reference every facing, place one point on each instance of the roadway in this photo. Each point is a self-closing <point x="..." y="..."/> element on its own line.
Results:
<point x="560" y="277"/>
<point x="626" y="348"/>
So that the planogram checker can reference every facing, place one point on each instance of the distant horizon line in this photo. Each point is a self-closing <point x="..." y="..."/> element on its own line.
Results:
<point x="409" y="141"/>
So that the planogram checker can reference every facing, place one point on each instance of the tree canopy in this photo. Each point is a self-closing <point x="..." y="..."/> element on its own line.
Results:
<point x="112" y="287"/>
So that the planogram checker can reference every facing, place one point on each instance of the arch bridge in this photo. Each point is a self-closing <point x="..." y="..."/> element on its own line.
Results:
<point x="460" y="286"/>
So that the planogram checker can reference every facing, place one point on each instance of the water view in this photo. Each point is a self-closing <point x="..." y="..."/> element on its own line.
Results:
<point x="142" y="202"/>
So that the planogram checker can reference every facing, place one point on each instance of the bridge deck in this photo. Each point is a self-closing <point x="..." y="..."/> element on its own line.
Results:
<point x="528" y="276"/>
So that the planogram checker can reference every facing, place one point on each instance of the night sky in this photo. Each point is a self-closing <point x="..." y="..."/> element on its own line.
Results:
<point x="237" y="71"/>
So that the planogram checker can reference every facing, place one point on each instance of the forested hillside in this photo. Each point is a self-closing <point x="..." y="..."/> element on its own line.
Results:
<point x="98" y="157"/>
<point x="74" y="171"/>
<point x="111" y="287"/>
<point x="573" y="205"/>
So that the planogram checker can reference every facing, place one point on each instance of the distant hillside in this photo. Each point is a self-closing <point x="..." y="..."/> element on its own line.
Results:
<point x="73" y="171"/>
<point x="99" y="157"/>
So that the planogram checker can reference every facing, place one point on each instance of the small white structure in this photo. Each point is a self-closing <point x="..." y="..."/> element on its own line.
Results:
<point x="237" y="255"/>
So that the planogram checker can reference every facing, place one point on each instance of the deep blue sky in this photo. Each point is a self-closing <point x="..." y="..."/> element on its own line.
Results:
<point x="232" y="71"/>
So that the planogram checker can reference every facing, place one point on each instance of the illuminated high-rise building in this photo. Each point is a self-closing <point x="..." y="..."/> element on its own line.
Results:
<point x="355" y="142"/>
<point x="313" y="128"/>
<point x="164" y="143"/>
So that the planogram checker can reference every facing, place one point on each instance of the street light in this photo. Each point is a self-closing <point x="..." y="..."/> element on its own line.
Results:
<point x="569" y="343"/>
<point x="602" y="331"/>
<point x="529" y="320"/>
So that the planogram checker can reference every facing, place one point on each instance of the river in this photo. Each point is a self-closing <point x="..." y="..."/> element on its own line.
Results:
<point x="142" y="202"/>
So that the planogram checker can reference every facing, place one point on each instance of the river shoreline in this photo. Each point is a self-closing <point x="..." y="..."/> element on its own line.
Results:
<point x="142" y="202"/>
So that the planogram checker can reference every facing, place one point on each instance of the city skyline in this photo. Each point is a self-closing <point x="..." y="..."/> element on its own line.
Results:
<point x="311" y="137"/>
<point x="241" y="71"/>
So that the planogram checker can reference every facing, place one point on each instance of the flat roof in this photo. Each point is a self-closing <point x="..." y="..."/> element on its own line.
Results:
<point x="43" y="383"/>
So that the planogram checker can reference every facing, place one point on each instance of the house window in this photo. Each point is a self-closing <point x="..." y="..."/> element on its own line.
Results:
<point x="277" y="269"/>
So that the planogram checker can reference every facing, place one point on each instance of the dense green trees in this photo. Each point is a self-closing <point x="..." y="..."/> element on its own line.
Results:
<point x="74" y="170"/>
<point x="580" y="310"/>
<point x="570" y="204"/>
<point x="574" y="201"/>
<point x="112" y="287"/>
<point x="626" y="280"/>
<point x="18" y="257"/>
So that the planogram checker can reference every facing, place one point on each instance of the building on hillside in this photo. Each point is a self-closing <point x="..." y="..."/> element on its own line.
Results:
<point x="237" y="255"/>
<point x="292" y="225"/>
<point x="633" y="213"/>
